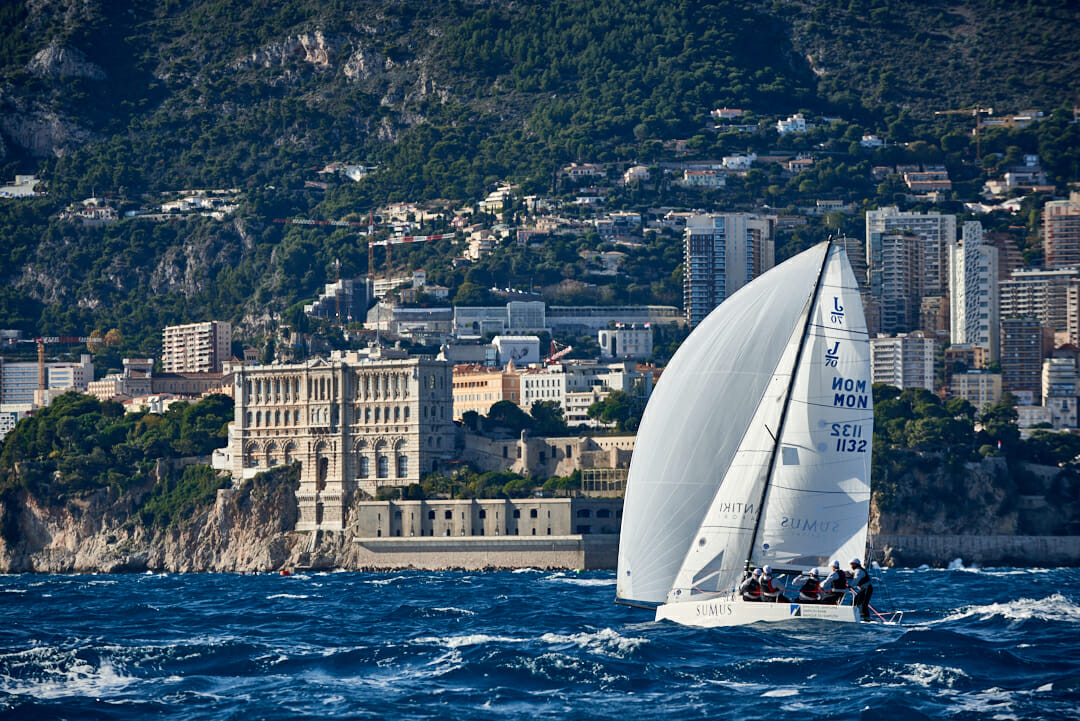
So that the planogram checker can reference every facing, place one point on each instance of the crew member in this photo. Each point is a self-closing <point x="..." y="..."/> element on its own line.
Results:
<point x="864" y="588"/>
<point x="836" y="583"/>
<point x="751" y="587"/>
<point x="770" y="592"/>
<point x="810" y="590"/>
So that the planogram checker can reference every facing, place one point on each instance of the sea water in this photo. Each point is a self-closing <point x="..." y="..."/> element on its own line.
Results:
<point x="996" y="643"/>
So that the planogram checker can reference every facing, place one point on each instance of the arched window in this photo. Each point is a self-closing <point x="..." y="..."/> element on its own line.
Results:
<point x="483" y="513"/>
<point x="383" y="466"/>
<point x="402" y="466"/>
<point x="431" y="515"/>
<point x="378" y="411"/>
<point x="277" y="418"/>
<point x="258" y="418"/>
<point x="584" y="513"/>
<point x="603" y="513"/>
<point x="406" y="413"/>
<point x="251" y="418"/>
<point x="449" y="515"/>
<point x="517" y="513"/>
<point x="365" y="466"/>
<point x="532" y="513"/>
<point x="397" y="414"/>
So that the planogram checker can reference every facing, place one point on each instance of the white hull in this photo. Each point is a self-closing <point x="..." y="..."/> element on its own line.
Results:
<point x="728" y="611"/>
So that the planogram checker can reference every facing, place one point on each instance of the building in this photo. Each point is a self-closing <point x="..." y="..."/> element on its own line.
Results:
<point x="626" y="341"/>
<point x="973" y="291"/>
<point x="516" y="316"/>
<point x="723" y="252"/>
<point x="1042" y="294"/>
<point x="354" y="425"/>
<point x="1024" y="344"/>
<point x="196" y="347"/>
<point x="346" y="300"/>
<point x="478" y="388"/>
<point x="960" y="358"/>
<point x="1061" y="232"/>
<point x="703" y="179"/>
<point x="979" y="388"/>
<point x="543" y="384"/>
<point x="905" y="360"/>
<point x="21" y="384"/>
<point x="890" y="268"/>
<point x="521" y="350"/>
<point x="794" y="124"/>
<point x="1060" y="390"/>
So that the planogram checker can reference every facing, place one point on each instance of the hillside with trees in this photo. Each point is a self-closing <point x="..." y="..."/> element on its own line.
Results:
<point x="131" y="101"/>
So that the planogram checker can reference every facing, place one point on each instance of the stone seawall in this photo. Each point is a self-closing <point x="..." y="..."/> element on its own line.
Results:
<point x="940" y="550"/>
<point x="477" y="553"/>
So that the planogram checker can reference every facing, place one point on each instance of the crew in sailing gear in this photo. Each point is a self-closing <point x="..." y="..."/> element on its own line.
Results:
<point x="836" y="583"/>
<point x="810" y="588"/>
<point x="770" y="592"/>
<point x="864" y="587"/>
<point x="751" y="587"/>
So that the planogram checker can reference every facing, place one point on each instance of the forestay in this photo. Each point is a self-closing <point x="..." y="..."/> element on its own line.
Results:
<point x="696" y="418"/>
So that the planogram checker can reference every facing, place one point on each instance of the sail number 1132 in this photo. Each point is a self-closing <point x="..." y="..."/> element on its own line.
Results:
<point x="849" y="437"/>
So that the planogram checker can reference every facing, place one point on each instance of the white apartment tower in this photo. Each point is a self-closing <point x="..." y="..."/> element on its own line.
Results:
<point x="973" y="291"/>
<point x="904" y="361"/>
<point x="196" y="347"/>
<point x="920" y="268"/>
<point x="723" y="253"/>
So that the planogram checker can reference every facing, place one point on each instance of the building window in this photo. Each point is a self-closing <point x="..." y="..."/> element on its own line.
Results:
<point x="448" y="515"/>
<point x="581" y="530"/>
<point x="402" y="466"/>
<point x="584" y="513"/>
<point x="603" y="513"/>
<point x="365" y="466"/>
<point x="483" y="513"/>
<point x="517" y="513"/>
<point x="383" y="466"/>
<point x="431" y="515"/>
<point x="532" y="513"/>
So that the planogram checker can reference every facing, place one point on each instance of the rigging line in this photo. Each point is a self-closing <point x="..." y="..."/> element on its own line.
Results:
<point x="812" y="305"/>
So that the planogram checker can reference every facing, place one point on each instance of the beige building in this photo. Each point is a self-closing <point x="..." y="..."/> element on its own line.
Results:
<point x="353" y="425"/>
<point x="490" y="517"/>
<point x="478" y="388"/>
<point x="978" y="388"/>
<point x="196" y="347"/>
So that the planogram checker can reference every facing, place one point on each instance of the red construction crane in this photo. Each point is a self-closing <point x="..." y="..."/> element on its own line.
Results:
<point x="390" y="242"/>
<point x="558" y="350"/>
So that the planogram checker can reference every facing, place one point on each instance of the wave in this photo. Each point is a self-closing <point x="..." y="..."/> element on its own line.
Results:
<point x="605" y="641"/>
<point x="1056" y="608"/>
<point x="584" y="581"/>
<point x="289" y="595"/>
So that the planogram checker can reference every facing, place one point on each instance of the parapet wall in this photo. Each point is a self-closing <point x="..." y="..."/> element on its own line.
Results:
<point x="478" y="553"/>
<point x="1041" y="551"/>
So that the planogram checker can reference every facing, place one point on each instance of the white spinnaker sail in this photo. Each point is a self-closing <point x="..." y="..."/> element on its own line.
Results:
<point x="696" y="418"/>
<point x="819" y="495"/>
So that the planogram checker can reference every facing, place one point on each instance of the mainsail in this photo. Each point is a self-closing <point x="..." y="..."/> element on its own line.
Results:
<point x="768" y="400"/>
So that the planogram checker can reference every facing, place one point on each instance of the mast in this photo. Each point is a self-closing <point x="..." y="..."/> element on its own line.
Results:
<point x="787" y="405"/>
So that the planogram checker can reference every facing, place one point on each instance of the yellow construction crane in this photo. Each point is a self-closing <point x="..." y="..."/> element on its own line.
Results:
<point x="976" y="112"/>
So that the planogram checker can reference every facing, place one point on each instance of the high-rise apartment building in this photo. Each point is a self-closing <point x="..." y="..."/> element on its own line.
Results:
<point x="196" y="347"/>
<point x="905" y="360"/>
<point x="973" y="291"/>
<point x="352" y="424"/>
<point x="1059" y="389"/>
<point x="1061" y="232"/>
<point x="907" y="253"/>
<point x="1041" y="294"/>
<point x="1024" y="343"/>
<point x="723" y="253"/>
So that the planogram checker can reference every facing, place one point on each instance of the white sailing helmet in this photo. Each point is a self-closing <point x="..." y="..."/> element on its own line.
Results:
<point x="757" y="571"/>
<point x="767" y="570"/>
<point x="856" y="562"/>
<point x="813" y="572"/>
<point x="836" y="564"/>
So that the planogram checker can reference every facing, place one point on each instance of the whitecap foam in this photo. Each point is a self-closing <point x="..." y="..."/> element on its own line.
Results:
<point x="475" y="639"/>
<point x="605" y="640"/>
<point x="781" y="693"/>
<point x="585" y="581"/>
<point x="452" y="609"/>
<point x="61" y="680"/>
<point x="289" y="595"/>
<point x="385" y="581"/>
<point x="927" y="675"/>
<point x="1053" y="608"/>
<point x="955" y="564"/>
<point x="526" y="570"/>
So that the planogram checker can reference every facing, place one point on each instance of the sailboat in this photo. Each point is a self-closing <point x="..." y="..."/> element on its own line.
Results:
<point x="754" y="450"/>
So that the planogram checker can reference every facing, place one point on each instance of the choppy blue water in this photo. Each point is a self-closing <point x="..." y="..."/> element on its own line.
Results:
<point x="993" y="643"/>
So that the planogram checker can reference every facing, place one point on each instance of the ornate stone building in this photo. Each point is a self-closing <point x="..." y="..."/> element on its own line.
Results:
<point x="352" y="424"/>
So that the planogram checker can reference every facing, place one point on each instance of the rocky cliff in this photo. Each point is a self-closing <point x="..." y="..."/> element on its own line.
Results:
<point x="248" y="529"/>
